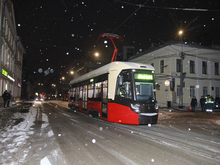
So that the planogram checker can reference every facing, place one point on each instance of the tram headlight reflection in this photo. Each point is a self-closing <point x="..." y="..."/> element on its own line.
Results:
<point x="136" y="107"/>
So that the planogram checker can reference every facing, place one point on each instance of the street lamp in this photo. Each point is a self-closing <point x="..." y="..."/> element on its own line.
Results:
<point x="182" y="75"/>
<point x="180" y="32"/>
<point x="96" y="54"/>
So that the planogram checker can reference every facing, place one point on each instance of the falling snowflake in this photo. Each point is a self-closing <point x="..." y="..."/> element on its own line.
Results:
<point x="93" y="141"/>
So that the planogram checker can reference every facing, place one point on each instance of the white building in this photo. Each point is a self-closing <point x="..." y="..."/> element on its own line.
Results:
<point x="11" y="52"/>
<point x="201" y="65"/>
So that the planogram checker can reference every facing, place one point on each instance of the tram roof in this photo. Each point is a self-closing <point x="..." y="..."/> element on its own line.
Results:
<point x="113" y="66"/>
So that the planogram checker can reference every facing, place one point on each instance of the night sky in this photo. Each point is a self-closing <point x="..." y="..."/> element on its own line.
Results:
<point x="62" y="34"/>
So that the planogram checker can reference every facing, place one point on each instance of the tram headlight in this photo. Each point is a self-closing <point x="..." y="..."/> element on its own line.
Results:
<point x="156" y="107"/>
<point x="136" y="107"/>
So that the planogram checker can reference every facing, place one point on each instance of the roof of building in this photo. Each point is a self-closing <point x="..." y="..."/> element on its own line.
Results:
<point x="169" y="43"/>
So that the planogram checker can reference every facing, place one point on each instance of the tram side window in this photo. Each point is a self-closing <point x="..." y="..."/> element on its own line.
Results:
<point x="97" y="92"/>
<point x="105" y="91"/>
<point x="80" y="92"/>
<point x="72" y="93"/>
<point x="90" y="91"/>
<point x="124" y="85"/>
<point x="85" y="93"/>
<point x="77" y="96"/>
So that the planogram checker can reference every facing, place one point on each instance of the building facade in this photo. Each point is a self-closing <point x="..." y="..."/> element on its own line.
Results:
<point x="11" y="52"/>
<point x="200" y="65"/>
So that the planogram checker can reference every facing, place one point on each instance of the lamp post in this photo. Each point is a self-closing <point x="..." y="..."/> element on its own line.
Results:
<point x="182" y="75"/>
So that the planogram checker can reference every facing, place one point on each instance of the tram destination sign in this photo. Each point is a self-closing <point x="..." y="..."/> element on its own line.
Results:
<point x="144" y="76"/>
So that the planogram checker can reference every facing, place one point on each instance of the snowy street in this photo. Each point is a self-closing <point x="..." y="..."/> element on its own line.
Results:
<point x="49" y="133"/>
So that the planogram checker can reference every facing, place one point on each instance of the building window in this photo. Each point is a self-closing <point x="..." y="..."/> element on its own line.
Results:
<point x="162" y="66"/>
<point x="178" y="91"/>
<point x="178" y="65"/>
<point x="192" y="66"/>
<point x="216" y="68"/>
<point x="192" y="91"/>
<point x="205" y="91"/>
<point x="204" y="67"/>
<point x="217" y="92"/>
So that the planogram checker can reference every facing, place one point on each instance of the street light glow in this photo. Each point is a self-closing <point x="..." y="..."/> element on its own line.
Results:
<point x="180" y="32"/>
<point x="96" y="54"/>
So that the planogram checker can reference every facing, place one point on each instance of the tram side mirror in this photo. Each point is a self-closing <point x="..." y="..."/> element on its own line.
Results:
<point x="120" y="80"/>
<point x="157" y="85"/>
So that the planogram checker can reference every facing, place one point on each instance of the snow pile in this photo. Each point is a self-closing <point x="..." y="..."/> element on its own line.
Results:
<point x="14" y="137"/>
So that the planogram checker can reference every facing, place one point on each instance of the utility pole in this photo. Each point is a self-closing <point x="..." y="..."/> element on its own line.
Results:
<point x="182" y="75"/>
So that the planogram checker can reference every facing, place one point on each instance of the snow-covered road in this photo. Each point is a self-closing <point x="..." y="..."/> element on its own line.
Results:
<point x="50" y="133"/>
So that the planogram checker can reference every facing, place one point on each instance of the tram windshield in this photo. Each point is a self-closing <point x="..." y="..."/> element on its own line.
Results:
<point x="144" y="87"/>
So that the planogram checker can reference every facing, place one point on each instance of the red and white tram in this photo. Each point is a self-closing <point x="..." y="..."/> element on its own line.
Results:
<point x="119" y="92"/>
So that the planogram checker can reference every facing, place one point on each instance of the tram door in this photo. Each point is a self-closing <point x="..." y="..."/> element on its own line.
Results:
<point x="105" y="98"/>
<point x="84" y="98"/>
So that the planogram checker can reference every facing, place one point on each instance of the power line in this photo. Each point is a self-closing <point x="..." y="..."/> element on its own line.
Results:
<point x="129" y="16"/>
<point x="168" y="8"/>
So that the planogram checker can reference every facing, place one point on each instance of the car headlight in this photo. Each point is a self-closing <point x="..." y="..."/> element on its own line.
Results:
<point x="136" y="107"/>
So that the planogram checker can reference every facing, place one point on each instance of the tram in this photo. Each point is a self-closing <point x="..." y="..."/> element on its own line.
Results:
<point x="119" y="92"/>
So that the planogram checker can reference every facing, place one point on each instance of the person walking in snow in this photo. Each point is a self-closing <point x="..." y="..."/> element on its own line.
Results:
<point x="202" y="103"/>
<point x="5" y="98"/>
<point x="9" y="98"/>
<point x="193" y="103"/>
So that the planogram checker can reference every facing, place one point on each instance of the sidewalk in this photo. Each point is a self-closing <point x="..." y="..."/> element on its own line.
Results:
<point x="11" y="104"/>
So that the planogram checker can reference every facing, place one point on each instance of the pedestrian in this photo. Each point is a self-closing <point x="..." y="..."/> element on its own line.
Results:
<point x="209" y="103"/>
<point x="202" y="103"/>
<point x="193" y="103"/>
<point x="9" y="98"/>
<point x="5" y="98"/>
